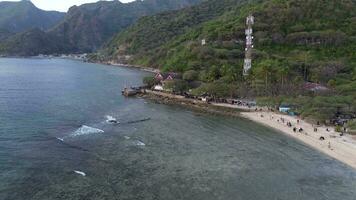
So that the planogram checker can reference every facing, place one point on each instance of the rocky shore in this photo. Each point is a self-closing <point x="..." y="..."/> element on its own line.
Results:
<point x="197" y="105"/>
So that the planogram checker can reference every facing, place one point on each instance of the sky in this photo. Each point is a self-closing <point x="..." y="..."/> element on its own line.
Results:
<point x="60" y="5"/>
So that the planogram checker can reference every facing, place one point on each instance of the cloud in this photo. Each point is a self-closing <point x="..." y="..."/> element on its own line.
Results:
<point x="61" y="5"/>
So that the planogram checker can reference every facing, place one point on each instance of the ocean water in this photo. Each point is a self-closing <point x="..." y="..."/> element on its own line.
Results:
<point x="57" y="142"/>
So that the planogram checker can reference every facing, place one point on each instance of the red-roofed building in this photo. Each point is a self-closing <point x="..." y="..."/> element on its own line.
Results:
<point x="314" y="87"/>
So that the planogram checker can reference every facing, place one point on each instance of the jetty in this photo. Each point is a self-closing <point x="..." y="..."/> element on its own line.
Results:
<point x="132" y="91"/>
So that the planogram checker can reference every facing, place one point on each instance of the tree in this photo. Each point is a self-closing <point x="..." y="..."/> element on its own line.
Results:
<point x="176" y="86"/>
<point x="190" y="75"/>
<point x="149" y="81"/>
<point x="214" y="73"/>
<point x="304" y="58"/>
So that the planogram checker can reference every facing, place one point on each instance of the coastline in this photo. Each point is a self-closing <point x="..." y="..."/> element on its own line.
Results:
<point x="146" y="69"/>
<point x="194" y="104"/>
<point x="341" y="148"/>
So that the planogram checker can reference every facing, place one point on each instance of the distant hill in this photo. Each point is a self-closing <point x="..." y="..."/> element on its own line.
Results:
<point x="31" y="43"/>
<point x="23" y="15"/>
<point x="87" y="27"/>
<point x="4" y="34"/>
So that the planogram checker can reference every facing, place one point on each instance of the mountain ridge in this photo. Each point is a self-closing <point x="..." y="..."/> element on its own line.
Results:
<point x="23" y="15"/>
<point x="85" y="28"/>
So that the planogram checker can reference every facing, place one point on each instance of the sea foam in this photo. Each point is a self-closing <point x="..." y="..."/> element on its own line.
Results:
<point x="139" y="143"/>
<point x="85" y="130"/>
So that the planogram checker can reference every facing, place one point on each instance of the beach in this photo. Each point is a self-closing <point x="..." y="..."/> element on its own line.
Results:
<point x="342" y="148"/>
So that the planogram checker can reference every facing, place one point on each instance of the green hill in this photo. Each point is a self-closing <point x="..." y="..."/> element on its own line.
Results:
<point x="296" y="41"/>
<point x="152" y="31"/>
<point x="85" y="28"/>
<point x="23" y="15"/>
<point x="32" y="43"/>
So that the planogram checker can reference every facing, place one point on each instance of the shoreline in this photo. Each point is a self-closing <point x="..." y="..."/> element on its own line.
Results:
<point x="146" y="69"/>
<point x="170" y="99"/>
<point x="341" y="148"/>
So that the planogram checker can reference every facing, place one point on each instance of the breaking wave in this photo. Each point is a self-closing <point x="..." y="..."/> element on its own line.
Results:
<point x="80" y="173"/>
<point x="85" y="130"/>
<point x="139" y="143"/>
<point x="111" y="119"/>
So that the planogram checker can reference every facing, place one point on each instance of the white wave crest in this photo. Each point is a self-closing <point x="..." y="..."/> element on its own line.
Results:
<point x="80" y="173"/>
<point x="127" y="137"/>
<point x="139" y="143"/>
<point x="85" y="130"/>
<point x="111" y="119"/>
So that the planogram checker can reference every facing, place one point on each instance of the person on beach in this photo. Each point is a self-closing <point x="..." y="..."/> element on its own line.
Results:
<point x="294" y="129"/>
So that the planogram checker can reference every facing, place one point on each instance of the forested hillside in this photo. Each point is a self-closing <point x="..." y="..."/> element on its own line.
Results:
<point x="152" y="31"/>
<point x="296" y="41"/>
<point x="85" y="28"/>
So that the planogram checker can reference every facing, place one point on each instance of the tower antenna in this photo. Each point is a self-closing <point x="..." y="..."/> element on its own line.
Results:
<point x="250" y="20"/>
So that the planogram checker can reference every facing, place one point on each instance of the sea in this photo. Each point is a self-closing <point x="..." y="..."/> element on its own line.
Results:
<point x="59" y="141"/>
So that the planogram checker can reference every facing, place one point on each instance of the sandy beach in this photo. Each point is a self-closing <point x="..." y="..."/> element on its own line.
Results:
<point x="342" y="148"/>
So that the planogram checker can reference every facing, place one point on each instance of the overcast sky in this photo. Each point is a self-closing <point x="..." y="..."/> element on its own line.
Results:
<point x="60" y="5"/>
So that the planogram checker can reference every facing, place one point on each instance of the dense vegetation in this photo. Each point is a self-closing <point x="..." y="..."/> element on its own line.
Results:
<point x="296" y="41"/>
<point x="85" y="28"/>
<point x="152" y="31"/>
<point x="23" y="15"/>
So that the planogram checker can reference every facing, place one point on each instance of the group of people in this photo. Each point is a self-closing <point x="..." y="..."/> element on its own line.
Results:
<point x="289" y="124"/>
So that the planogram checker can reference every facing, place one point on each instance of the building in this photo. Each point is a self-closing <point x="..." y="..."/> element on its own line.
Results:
<point x="203" y="42"/>
<point x="158" y="88"/>
<point x="314" y="87"/>
<point x="284" y="109"/>
<point x="161" y="78"/>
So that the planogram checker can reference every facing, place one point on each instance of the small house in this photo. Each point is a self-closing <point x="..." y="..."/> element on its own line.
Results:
<point x="314" y="87"/>
<point x="284" y="108"/>
<point x="160" y="77"/>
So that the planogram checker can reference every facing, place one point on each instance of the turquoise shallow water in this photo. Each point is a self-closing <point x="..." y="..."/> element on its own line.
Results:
<point x="177" y="154"/>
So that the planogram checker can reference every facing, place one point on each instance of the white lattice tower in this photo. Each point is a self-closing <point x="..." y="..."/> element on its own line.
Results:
<point x="250" y="20"/>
